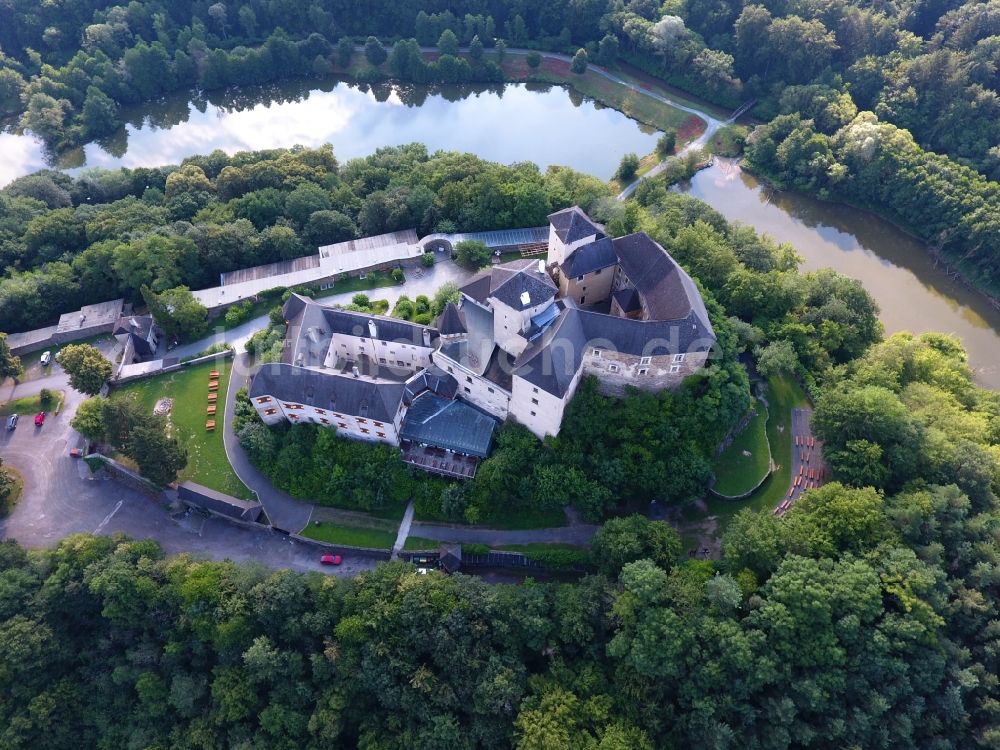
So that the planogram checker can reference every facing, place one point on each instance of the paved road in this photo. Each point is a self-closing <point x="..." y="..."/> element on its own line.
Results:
<point x="62" y="498"/>
<point x="283" y="510"/>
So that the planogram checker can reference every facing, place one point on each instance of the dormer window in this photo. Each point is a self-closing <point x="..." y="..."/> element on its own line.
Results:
<point x="597" y="353"/>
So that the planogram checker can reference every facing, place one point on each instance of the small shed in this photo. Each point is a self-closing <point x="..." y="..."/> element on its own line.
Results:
<point x="450" y="557"/>
<point x="196" y="495"/>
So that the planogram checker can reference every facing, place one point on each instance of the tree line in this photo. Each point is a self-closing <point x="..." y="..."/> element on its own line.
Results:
<point x="67" y="241"/>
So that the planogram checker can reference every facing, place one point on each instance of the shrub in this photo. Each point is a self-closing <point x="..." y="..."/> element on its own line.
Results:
<point x="46" y="397"/>
<point x="472" y="253"/>
<point x="666" y="143"/>
<point x="579" y="64"/>
<point x="628" y="167"/>
<point x="398" y="276"/>
<point x="534" y="59"/>
<point x="427" y="259"/>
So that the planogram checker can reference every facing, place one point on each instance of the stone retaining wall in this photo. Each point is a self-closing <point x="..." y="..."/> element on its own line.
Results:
<point x="376" y="554"/>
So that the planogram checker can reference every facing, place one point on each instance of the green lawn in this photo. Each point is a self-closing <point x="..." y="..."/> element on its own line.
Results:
<point x="352" y="536"/>
<point x="782" y="395"/>
<point x="376" y="280"/>
<point x="188" y="387"/>
<point x="417" y="543"/>
<point x="529" y="518"/>
<point x="743" y="465"/>
<point x="29" y="406"/>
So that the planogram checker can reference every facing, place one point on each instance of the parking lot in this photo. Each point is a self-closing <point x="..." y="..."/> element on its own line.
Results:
<point x="61" y="498"/>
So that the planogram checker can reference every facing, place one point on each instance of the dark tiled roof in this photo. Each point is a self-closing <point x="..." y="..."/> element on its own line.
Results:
<point x="449" y="424"/>
<point x="627" y="299"/>
<point x="553" y="360"/>
<point x="450" y="322"/>
<point x="511" y="281"/>
<point x="140" y="325"/>
<point x="591" y="257"/>
<point x="478" y="287"/>
<point x="434" y="380"/>
<point x="226" y="505"/>
<point x="293" y="306"/>
<point x="666" y="290"/>
<point x="346" y="394"/>
<point x="572" y="224"/>
<point x="386" y="328"/>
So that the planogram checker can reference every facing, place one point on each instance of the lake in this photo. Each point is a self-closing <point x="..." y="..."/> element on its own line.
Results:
<point x="895" y="268"/>
<point x="517" y="122"/>
<point x="546" y="125"/>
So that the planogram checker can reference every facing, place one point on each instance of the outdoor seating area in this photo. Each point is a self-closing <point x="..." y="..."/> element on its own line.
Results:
<point x="811" y="471"/>
<point x="213" y="387"/>
<point x="440" y="460"/>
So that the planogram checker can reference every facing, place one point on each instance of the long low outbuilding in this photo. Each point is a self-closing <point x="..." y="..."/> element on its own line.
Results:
<point x="219" y="503"/>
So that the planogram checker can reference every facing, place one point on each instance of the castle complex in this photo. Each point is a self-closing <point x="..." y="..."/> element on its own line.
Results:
<point x="516" y="345"/>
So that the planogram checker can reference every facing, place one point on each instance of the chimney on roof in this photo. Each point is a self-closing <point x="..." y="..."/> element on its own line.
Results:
<point x="355" y="371"/>
<point x="427" y="337"/>
<point x="373" y="329"/>
<point x="541" y="266"/>
<point x="525" y="299"/>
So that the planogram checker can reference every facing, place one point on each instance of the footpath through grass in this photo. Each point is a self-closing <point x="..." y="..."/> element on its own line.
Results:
<point x="188" y="388"/>
<point x="782" y="394"/>
<point x="745" y="462"/>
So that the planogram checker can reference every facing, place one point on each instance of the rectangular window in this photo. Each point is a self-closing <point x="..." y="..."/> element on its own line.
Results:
<point x="597" y="353"/>
<point x="598" y="271"/>
<point x="534" y="390"/>
<point x="324" y="420"/>
<point x="468" y="379"/>
<point x="534" y="414"/>
<point x="377" y="424"/>
<point x="342" y="425"/>
<point x="362" y="340"/>
<point x="675" y="368"/>
<point x="264" y="400"/>
<point x="320" y="411"/>
<point x="579" y="278"/>
<point x="645" y="360"/>
<point x="381" y="360"/>
<point x="490" y="390"/>
<point x="362" y="421"/>
<point x="534" y="401"/>
<point x="678" y="358"/>
<point x="643" y="370"/>
<point x="401" y="363"/>
<point x="449" y="369"/>
<point x="293" y="406"/>
<point x="614" y="368"/>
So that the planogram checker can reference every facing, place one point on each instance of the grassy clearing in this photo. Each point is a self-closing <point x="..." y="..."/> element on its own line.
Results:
<point x="741" y="466"/>
<point x="529" y="518"/>
<point x="418" y="543"/>
<point x="356" y="284"/>
<point x="783" y="394"/>
<point x="728" y="141"/>
<point x="352" y="536"/>
<point x="8" y="503"/>
<point x="207" y="462"/>
<point x="28" y="406"/>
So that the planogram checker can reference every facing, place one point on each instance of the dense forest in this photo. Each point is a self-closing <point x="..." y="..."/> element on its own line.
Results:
<point x="866" y="618"/>
<point x="106" y="234"/>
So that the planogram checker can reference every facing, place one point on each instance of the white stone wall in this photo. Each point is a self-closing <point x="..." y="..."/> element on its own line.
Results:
<point x="559" y="251"/>
<point x="538" y="410"/>
<point x="477" y="390"/>
<point x="407" y="356"/>
<point x="616" y="371"/>
<point x="508" y="324"/>
<point x="358" y="428"/>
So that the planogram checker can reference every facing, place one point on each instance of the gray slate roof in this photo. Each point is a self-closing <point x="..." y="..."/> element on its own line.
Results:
<point x="449" y="424"/>
<point x="219" y="502"/>
<point x="666" y="290"/>
<point x="508" y="281"/>
<point x="359" y="397"/>
<point x="590" y="257"/>
<point x="572" y="224"/>
<point x="451" y="323"/>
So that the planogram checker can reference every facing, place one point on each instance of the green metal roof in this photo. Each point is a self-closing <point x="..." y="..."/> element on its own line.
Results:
<point x="449" y="424"/>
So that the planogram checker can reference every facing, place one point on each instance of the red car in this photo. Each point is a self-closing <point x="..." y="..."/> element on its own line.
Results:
<point x="39" y="419"/>
<point x="331" y="560"/>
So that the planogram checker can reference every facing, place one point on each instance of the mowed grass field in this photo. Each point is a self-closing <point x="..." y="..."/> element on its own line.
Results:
<point x="207" y="462"/>
<point x="742" y="465"/>
<point x="352" y="536"/>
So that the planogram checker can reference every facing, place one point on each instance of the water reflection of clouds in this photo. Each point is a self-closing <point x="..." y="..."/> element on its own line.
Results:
<point x="19" y="155"/>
